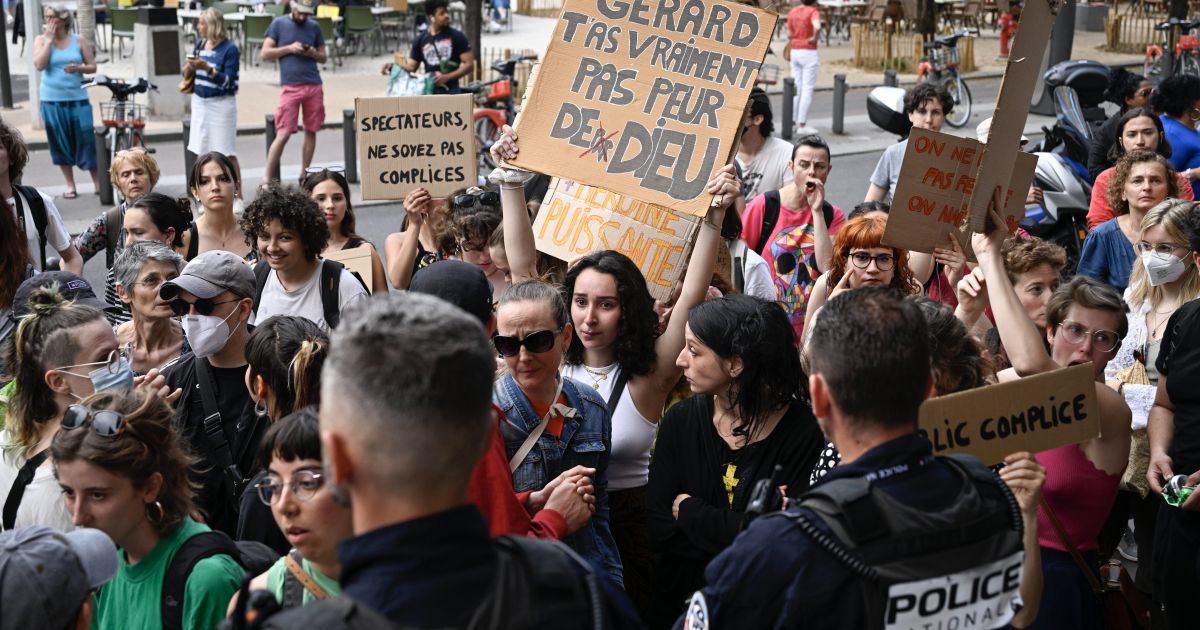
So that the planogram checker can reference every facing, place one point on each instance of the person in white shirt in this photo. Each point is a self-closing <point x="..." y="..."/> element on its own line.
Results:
<point x="765" y="160"/>
<point x="13" y="158"/>
<point x="291" y="233"/>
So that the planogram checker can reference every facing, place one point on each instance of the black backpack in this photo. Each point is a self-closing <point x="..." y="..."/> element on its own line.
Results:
<point x="886" y="543"/>
<point x="331" y="282"/>
<point x="254" y="557"/>
<point x="539" y="584"/>
<point x="37" y="208"/>
<point x="771" y="217"/>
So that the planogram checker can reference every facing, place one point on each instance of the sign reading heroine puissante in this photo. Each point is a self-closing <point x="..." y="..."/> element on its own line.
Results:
<point x="576" y="220"/>
<point x="406" y="142"/>
<point x="1034" y="414"/>
<point x="642" y="97"/>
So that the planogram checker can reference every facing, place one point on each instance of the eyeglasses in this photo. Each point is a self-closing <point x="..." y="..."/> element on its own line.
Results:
<point x="536" y="342"/>
<point x="153" y="281"/>
<point x="104" y="422"/>
<point x="112" y="363"/>
<point x="1162" y="249"/>
<point x="204" y="306"/>
<point x="470" y="200"/>
<point x="862" y="260"/>
<point x="304" y="485"/>
<point x="1076" y="333"/>
<point x="312" y="170"/>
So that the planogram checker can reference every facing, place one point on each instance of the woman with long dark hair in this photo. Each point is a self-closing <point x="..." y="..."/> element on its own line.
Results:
<point x="1127" y="91"/>
<point x="1177" y="100"/>
<point x="1137" y="130"/>
<point x="215" y="183"/>
<point x="330" y="190"/>
<point x="748" y="416"/>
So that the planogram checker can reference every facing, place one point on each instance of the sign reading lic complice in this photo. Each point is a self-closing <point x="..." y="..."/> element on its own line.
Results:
<point x="1034" y="414"/>
<point x="644" y="98"/>
<point x="408" y="142"/>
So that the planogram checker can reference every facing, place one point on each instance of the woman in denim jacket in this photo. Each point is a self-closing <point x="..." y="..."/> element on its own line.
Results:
<point x="569" y="422"/>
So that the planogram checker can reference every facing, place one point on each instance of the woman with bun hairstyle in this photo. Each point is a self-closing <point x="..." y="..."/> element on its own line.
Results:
<point x="748" y="415"/>
<point x="124" y="469"/>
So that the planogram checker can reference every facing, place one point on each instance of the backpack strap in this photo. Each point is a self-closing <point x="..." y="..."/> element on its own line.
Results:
<point x="193" y="249"/>
<point x="770" y="218"/>
<point x="262" y="271"/>
<point x="614" y="396"/>
<point x="214" y="436"/>
<point x="331" y="282"/>
<point x="296" y="580"/>
<point x="192" y="551"/>
<point x="17" y="492"/>
<point x="37" y="208"/>
<point x="112" y="229"/>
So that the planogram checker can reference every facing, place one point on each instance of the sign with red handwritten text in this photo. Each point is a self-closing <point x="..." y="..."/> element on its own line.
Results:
<point x="644" y="98"/>
<point x="576" y="220"/>
<point x="933" y="195"/>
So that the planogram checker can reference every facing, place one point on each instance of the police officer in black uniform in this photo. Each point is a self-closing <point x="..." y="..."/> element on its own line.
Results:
<point x="872" y="544"/>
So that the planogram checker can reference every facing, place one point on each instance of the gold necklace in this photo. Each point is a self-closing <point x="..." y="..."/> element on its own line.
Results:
<point x="599" y="374"/>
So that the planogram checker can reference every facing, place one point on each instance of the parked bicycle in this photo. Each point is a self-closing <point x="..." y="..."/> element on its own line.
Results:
<point x="494" y="106"/>
<point x="1187" y="49"/>
<point x="940" y="65"/>
<point x="124" y="118"/>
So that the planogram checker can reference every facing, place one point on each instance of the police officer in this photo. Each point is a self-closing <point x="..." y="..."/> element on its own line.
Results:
<point x="835" y="560"/>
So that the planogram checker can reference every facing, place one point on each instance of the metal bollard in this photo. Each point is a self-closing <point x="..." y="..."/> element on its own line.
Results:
<point x="349" y="146"/>
<point x="103" y="165"/>
<point x="271" y="140"/>
<point x="890" y="79"/>
<point x="839" y="102"/>
<point x="789" y="101"/>
<point x="189" y="158"/>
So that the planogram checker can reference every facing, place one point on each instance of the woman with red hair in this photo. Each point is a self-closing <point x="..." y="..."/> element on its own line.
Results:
<point x="860" y="259"/>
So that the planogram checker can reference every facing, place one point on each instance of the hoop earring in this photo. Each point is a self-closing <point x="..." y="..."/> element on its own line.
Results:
<point x="261" y="412"/>
<point x="150" y="513"/>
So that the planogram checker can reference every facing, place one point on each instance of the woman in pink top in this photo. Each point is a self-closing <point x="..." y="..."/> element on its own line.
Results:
<point x="1138" y="130"/>
<point x="804" y="25"/>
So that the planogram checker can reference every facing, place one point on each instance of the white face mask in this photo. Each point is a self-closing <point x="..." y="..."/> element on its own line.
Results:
<point x="1161" y="269"/>
<point x="207" y="334"/>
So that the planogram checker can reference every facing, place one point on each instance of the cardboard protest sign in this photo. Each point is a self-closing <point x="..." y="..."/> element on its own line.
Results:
<point x="405" y="142"/>
<point x="644" y="98"/>
<point x="575" y="220"/>
<point x="937" y="178"/>
<point x="1033" y="414"/>
<point x="998" y="167"/>
<point x="357" y="260"/>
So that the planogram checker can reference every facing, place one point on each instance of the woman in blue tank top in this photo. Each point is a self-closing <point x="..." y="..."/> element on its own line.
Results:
<point x="63" y="58"/>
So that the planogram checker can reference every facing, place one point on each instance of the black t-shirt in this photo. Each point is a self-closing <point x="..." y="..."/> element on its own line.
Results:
<point x="1179" y="360"/>
<point x="243" y="431"/>
<point x="433" y="50"/>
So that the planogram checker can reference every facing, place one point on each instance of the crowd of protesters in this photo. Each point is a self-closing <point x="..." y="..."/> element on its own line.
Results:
<point x="240" y="430"/>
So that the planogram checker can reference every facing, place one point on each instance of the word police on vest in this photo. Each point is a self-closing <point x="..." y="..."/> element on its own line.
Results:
<point x="981" y="598"/>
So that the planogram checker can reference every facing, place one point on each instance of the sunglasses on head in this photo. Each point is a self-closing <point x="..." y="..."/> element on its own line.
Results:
<point x="105" y="422"/>
<point x="204" y="306"/>
<point x="321" y="169"/>
<point x="536" y="342"/>
<point x="470" y="200"/>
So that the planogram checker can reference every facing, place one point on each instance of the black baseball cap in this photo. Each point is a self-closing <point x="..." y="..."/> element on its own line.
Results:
<point x="70" y="286"/>
<point x="459" y="283"/>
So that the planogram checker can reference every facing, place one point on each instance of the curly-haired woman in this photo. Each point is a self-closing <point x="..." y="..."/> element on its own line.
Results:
<point x="289" y="232"/>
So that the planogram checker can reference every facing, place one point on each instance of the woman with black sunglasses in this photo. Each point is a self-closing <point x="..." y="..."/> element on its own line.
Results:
<point x="552" y="423"/>
<point x="61" y="352"/>
<point x="124" y="469"/>
<point x="327" y="186"/>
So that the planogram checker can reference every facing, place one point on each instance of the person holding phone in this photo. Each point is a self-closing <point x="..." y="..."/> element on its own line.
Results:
<point x="297" y="44"/>
<point x="214" y="63"/>
<point x="63" y="58"/>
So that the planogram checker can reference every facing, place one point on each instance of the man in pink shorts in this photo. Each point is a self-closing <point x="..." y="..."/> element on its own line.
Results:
<point x="296" y="42"/>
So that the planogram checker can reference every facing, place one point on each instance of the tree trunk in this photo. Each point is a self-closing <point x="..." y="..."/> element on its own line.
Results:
<point x="927" y="18"/>
<point x="474" y="33"/>
<point x="85" y="14"/>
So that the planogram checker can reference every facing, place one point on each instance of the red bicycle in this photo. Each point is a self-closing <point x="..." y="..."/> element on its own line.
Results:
<point x="494" y="106"/>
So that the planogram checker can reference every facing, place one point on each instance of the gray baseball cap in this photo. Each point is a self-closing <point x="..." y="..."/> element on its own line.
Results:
<point x="210" y="274"/>
<point x="303" y="6"/>
<point x="45" y="574"/>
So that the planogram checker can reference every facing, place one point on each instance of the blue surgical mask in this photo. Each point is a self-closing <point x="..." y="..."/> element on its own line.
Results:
<point x="113" y="379"/>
